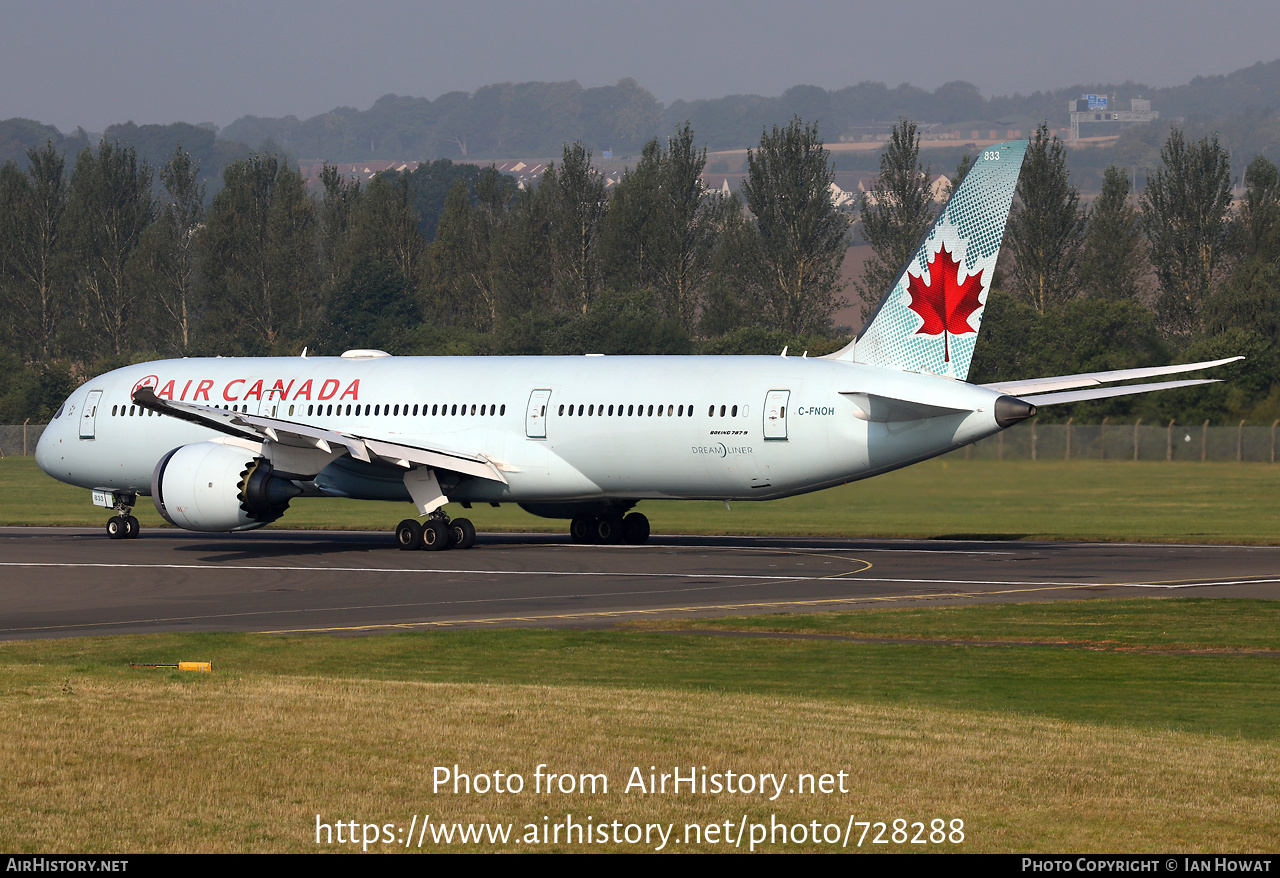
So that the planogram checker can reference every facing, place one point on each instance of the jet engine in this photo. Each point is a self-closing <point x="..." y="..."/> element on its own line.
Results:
<point x="209" y="486"/>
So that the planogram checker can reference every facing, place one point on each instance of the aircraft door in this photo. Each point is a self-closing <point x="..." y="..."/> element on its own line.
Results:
<point x="269" y="407"/>
<point x="535" y="419"/>
<point x="775" y="414"/>
<point x="88" y="416"/>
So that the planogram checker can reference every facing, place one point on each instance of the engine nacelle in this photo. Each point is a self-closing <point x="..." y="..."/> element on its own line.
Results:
<point x="209" y="486"/>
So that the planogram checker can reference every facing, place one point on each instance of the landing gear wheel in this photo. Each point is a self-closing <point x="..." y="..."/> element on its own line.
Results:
<point x="131" y="527"/>
<point x="583" y="528"/>
<point x="409" y="535"/>
<point x="435" y="535"/>
<point x="116" y="527"/>
<point x="462" y="534"/>
<point x="609" y="529"/>
<point x="635" y="529"/>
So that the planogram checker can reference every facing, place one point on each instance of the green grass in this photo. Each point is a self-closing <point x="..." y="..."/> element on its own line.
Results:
<point x="1121" y="677"/>
<point x="1121" y="747"/>
<point x="1219" y="625"/>
<point x="1056" y="500"/>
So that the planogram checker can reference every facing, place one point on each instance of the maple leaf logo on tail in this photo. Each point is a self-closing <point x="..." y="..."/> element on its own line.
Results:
<point x="944" y="303"/>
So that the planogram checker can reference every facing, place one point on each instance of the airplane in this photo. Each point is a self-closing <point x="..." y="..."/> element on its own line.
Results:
<point x="224" y="444"/>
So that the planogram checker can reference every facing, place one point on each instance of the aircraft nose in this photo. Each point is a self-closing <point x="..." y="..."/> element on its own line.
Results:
<point x="51" y="447"/>
<point x="45" y="447"/>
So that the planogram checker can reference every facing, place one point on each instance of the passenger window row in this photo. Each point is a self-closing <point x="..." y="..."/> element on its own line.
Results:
<point x="637" y="411"/>
<point x="485" y="410"/>
<point x="641" y="411"/>
<point x="394" y="411"/>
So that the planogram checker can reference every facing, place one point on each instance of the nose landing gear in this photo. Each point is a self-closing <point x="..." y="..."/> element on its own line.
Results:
<point x="122" y="525"/>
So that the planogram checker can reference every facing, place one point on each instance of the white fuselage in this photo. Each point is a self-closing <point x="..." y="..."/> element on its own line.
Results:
<point x="563" y="428"/>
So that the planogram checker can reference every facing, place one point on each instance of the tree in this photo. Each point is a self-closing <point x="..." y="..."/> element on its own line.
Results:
<point x="1242" y="314"/>
<point x="800" y="235"/>
<point x="1112" y="262"/>
<point x="663" y="227"/>
<point x="695" y="220"/>
<point x="1184" y="214"/>
<point x="520" y="260"/>
<point x="430" y="184"/>
<point x="170" y="248"/>
<point x="575" y="202"/>
<point x="634" y="236"/>
<point x="1045" y="226"/>
<point x="337" y="205"/>
<point x="258" y="254"/>
<point x="1258" y="230"/>
<point x="896" y="214"/>
<point x="36" y="272"/>
<point x="371" y="307"/>
<point x="461" y="255"/>
<point x="111" y="206"/>
<point x="385" y="226"/>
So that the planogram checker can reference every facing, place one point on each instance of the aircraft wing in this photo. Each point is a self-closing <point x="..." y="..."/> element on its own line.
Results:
<point x="1092" y="379"/>
<point x="260" y="428"/>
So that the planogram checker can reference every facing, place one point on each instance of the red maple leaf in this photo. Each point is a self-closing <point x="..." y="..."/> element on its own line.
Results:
<point x="944" y="303"/>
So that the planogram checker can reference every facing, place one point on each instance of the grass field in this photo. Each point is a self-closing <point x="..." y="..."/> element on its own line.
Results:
<point x="1070" y="500"/>
<point x="1125" y="726"/>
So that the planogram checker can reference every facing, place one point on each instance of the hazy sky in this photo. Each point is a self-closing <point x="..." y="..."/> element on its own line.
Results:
<point x="97" y="62"/>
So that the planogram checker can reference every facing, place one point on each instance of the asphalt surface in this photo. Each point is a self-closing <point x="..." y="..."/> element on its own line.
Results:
<point x="63" y="582"/>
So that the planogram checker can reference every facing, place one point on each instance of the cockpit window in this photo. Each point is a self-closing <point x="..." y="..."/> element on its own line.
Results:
<point x="58" y="413"/>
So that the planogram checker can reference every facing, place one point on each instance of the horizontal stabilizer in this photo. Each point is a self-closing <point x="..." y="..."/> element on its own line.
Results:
<point x="1041" y="399"/>
<point x="1091" y="379"/>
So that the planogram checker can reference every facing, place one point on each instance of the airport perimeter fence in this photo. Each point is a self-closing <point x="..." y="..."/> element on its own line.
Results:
<point x="1028" y="441"/>
<point x="1140" y="441"/>
<point x="19" y="440"/>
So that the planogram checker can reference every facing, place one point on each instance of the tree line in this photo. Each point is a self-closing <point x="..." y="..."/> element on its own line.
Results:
<point x="506" y="120"/>
<point x="112" y="260"/>
<point x="1172" y="273"/>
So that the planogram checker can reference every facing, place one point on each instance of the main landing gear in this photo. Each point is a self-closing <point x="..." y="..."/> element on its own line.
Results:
<point x="610" y="529"/>
<point x="437" y="532"/>
<point x="122" y="525"/>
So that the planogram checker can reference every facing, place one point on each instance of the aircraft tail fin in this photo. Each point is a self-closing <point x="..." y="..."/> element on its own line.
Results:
<point x="929" y="320"/>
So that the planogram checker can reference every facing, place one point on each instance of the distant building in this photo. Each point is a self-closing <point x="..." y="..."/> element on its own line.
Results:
<point x="843" y="199"/>
<point x="525" y="173"/>
<point x="709" y="186"/>
<point x="362" y="171"/>
<point x="1096" y="116"/>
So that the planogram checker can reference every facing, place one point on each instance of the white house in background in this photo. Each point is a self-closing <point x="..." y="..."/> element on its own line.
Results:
<point x="939" y="188"/>
<point x="843" y="199"/>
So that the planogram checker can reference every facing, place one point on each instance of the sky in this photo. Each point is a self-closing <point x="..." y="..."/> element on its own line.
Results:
<point x="94" y="63"/>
